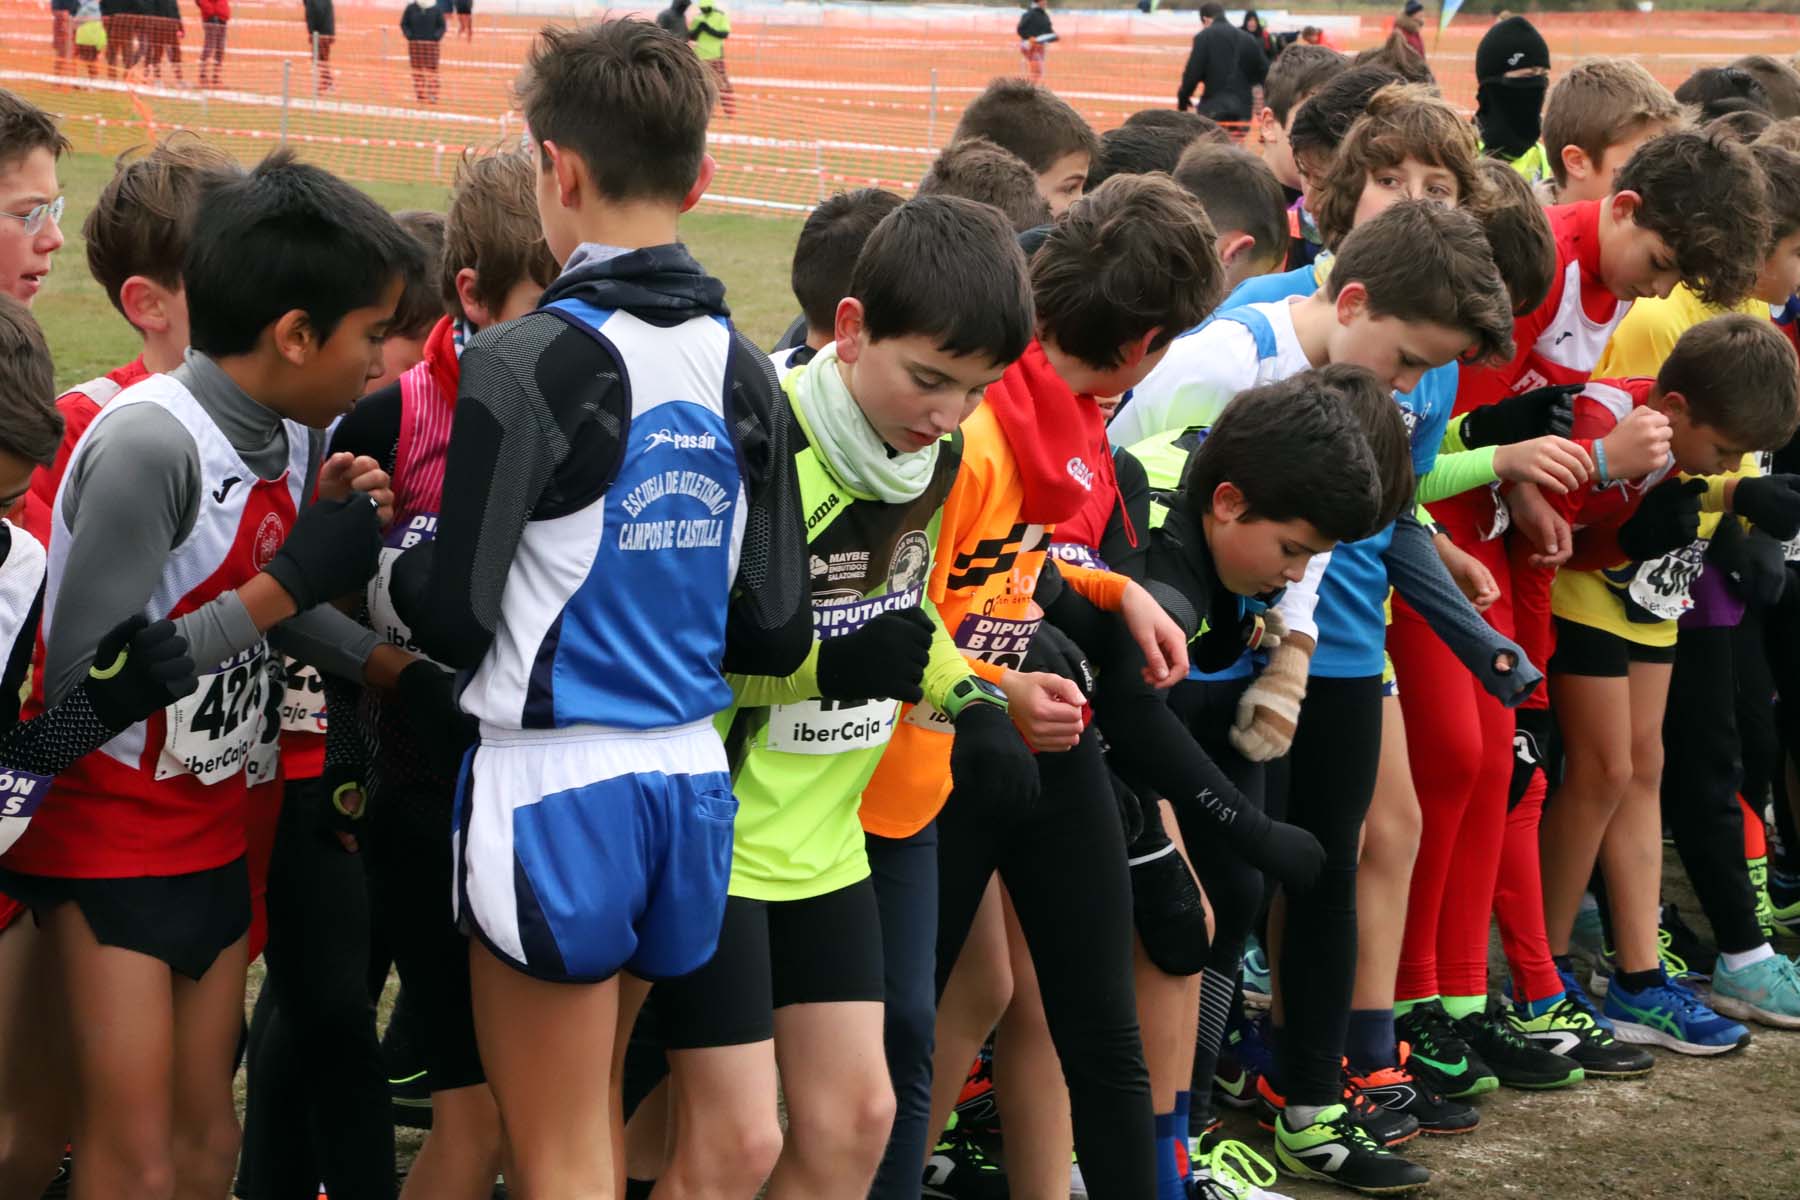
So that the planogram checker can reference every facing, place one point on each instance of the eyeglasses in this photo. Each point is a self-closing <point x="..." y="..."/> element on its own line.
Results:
<point x="39" y="216"/>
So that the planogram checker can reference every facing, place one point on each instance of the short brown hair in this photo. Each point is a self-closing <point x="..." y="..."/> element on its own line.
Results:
<point x="1738" y="374"/>
<point x="1784" y="133"/>
<point x="1421" y="262"/>
<point x="1297" y="72"/>
<point x="1320" y="124"/>
<point x="631" y="100"/>
<point x="1143" y="148"/>
<point x="493" y="227"/>
<point x="1601" y="102"/>
<point x="1518" y="232"/>
<point x="25" y="127"/>
<point x="1133" y="255"/>
<point x="1194" y="123"/>
<point x="1397" y="55"/>
<point x="143" y="220"/>
<point x="976" y="169"/>
<point x="420" y="305"/>
<point x="1781" y="178"/>
<point x="1033" y="122"/>
<point x="1705" y="197"/>
<point x="825" y="253"/>
<point x="1240" y="193"/>
<point x="1744" y="125"/>
<point x="1781" y="83"/>
<point x="30" y="426"/>
<point x="1401" y="121"/>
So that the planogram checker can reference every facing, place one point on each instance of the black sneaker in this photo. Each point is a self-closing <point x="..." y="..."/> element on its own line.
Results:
<point x="1687" y="945"/>
<point x="959" y="1169"/>
<point x="1397" y="1089"/>
<point x="1387" y="1127"/>
<point x="1517" y="1060"/>
<point x="1572" y="1029"/>
<point x="1336" y="1149"/>
<point x="1441" y="1059"/>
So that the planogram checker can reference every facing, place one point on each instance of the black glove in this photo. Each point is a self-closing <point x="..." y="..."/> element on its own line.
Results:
<point x="1753" y="560"/>
<point x="332" y="549"/>
<point x="138" y="669"/>
<point x="1532" y="749"/>
<point x="989" y="760"/>
<point x="1056" y="653"/>
<point x="1541" y="411"/>
<point x="1771" y="503"/>
<point x="886" y="657"/>
<point x="344" y="794"/>
<point x="1165" y="905"/>
<point x="1667" y="519"/>
<point x="427" y="698"/>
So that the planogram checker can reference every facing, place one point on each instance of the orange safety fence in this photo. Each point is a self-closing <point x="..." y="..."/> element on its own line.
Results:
<point x="822" y="97"/>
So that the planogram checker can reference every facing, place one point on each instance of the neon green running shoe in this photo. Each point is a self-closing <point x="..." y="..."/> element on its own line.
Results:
<point x="1334" y="1148"/>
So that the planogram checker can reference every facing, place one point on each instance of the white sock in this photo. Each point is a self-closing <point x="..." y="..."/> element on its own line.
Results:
<point x="1749" y="958"/>
<point x="1299" y="1116"/>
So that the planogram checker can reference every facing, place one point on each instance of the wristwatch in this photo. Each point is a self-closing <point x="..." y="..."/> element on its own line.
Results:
<point x="972" y="689"/>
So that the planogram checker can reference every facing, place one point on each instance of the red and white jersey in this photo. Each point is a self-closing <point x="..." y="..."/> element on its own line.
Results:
<point x="167" y="796"/>
<point x="78" y="406"/>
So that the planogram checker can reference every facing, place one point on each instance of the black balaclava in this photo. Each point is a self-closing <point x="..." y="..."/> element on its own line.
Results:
<point x="1509" y="112"/>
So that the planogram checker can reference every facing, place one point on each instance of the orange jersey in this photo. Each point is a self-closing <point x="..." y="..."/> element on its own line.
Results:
<point x="982" y="582"/>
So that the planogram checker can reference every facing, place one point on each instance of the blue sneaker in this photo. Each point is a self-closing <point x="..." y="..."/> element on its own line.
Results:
<point x="1578" y="996"/>
<point x="1255" y="974"/>
<point x="1244" y="1058"/>
<point x="1670" y="1015"/>
<point x="1767" y="992"/>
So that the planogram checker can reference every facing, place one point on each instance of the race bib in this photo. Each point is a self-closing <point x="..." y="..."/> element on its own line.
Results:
<point x="20" y="794"/>
<point x="212" y="730"/>
<point x="1001" y="641"/>
<point x="1078" y="555"/>
<point x="1790" y="549"/>
<point x="303" y="704"/>
<point x="420" y="527"/>
<point x="1661" y="585"/>
<point x="834" y="726"/>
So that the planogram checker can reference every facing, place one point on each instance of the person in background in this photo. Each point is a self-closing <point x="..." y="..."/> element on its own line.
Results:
<point x="673" y="19"/>
<point x="1512" y="70"/>
<point x="1035" y="36"/>
<point x="123" y="21"/>
<point x="90" y="36"/>
<point x="423" y="29"/>
<point x="321" y="31"/>
<point x="1225" y="64"/>
<point x="163" y="31"/>
<point x="1408" y="25"/>
<point x="708" y="27"/>
<point x="62" y="32"/>
<point x="465" y="17"/>
<point x="214" y="14"/>
<point x="1253" y="25"/>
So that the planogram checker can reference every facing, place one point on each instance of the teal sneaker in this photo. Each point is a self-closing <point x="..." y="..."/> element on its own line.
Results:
<point x="1767" y="992"/>
<point x="1256" y="975"/>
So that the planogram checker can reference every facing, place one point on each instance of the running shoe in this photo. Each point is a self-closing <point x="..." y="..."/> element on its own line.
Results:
<point x="1683" y="943"/>
<point x="1397" y="1089"/>
<point x="1336" y="1149"/>
<point x="1255" y="974"/>
<point x="1577" y="995"/>
<point x="959" y="1169"/>
<point x="1232" y="1171"/>
<point x="1568" y="1028"/>
<point x="1243" y="1059"/>
<point x="1673" y="964"/>
<point x="1767" y="992"/>
<point x="1670" y="1015"/>
<point x="1384" y="1127"/>
<point x="1518" y="1062"/>
<point x="1784" y="900"/>
<point x="1441" y="1059"/>
<point x="975" y="1107"/>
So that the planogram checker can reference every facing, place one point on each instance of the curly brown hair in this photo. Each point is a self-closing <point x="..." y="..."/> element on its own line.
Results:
<point x="1401" y="121"/>
<point x="1135" y="254"/>
<point x="1704" y="195"/>
<point x="1738" y="374"/>
<point x="1419" y="261"/>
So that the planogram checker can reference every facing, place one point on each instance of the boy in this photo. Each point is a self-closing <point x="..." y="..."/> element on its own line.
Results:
<point x="1244" y="202"/>
<point x="1375" y="310"/>
<point x="976" y="169"/>
<point x="1596" y="117"/>
<point x="1636" y="559"/>
<point x="1041" y="128"/>
<point x="154" y="669"/>
<point x="421" y="304"/>
<point x="1294" y="77"/>
<point x="799" y="961"/>
<point x="824" y="256"/>
<point x="493" y="268"/>
<point x="1512" y="73"/>
<point x="30" y="145"/>
<point x="657" y="454"/>
<point x="1140" y="149"/>
<point x="182" y="497"/>
<point x="1315" y="132"/>
<point x="1028" y="464"/>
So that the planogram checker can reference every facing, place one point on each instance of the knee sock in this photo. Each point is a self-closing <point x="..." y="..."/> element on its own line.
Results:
<point x="1183" y="1106"/>
<point x="1370" y="1042"/>
<point x="1540" y="1006"/>
<point x="1216" y="994"/>
<point x="1169" y="1136"/>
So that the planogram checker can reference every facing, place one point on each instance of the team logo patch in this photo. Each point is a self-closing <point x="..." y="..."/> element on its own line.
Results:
<point x="268" y="540"/>
<point x="911" y="563"/>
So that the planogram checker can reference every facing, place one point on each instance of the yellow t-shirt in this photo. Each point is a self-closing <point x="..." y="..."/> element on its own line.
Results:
<point x="1638" y="348"/>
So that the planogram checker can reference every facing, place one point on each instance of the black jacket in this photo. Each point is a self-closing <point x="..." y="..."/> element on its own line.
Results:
<point x="1035" y="22"/>
<point x="1226" y="62"/>
<point x="674" y="20"/>
<point x="421" y="24"/>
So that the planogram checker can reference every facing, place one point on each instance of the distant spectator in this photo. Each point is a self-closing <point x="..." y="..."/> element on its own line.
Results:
<point x="673" y="19"/>
<point x="423" y="28"/>
<point x="1253" y="26"/>
<point x="465" y="17"/>
<point x="1035" y="36"/>
<point x="709" y="25"/>
<point x="1225" y="64"/>
<point x="62" y="32"/>
<point x="214" y="16"/>
<point x="123" y="20"/>
<point x="90" y="36"/>
<point x="1407" y="23"/>
<point x="321" y="31"/>
<point x="163" y="31"/>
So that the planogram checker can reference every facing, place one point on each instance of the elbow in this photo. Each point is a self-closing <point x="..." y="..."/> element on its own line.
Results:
<point x="775" y="652"/>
